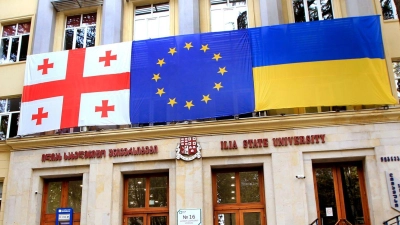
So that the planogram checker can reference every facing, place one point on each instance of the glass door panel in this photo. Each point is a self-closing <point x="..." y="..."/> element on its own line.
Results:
<point x="135" y="220"/>
<point x="352" y="195"/>
<point x="158" y="220"/>
<point x="251" y="218"/>
<point x="226" y="218"/>
<point x="326" y="196"/>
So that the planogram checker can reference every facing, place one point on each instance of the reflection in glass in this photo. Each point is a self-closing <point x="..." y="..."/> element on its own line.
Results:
<point x="73" y="21"/>
<point x="226" y="219"/>
<point x="326" y="195"/>
<point x="136" y="192"/>
<point x="352" y="195"/>
<point x="298" y="9"/>
<point x="69" y="38"/>
<point x="24" y="28"/>
<point x="89" y="19"/>
<point x="75" y="195"/>
<point x="14" y="49"/>
<point x="251" y="218"/>
<point x="53" y="197"/>
<point x="387" y="9"/>
<point x="135" y="221"/>
<point x="249" y="187"/>
<point x="80" y="37"/>
<point x="24" y="48"/>
<point x="158" y="191"/>
<point x="4" y="49"/>
<point x="326" y="9"/>
<point x="226" y="188"/>
<point x="9" y="30"/>
<point x="3" y="126"/>
<point x="312" y="10"/>
<point x="90" y="36"/>
<point x="158" y="220"/>
<point x="3" y="103"/>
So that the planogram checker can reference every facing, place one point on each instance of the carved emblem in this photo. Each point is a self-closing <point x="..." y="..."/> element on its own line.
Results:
<point x="188" y="149"/>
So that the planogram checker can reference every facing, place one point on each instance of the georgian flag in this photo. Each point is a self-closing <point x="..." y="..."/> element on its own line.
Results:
<point x="81" y="87"/>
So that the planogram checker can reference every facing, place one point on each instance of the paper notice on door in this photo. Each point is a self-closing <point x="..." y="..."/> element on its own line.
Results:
<point x="329" y="211"/>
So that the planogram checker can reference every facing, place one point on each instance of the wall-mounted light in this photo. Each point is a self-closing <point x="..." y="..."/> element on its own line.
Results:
<point x="300" y="177"/>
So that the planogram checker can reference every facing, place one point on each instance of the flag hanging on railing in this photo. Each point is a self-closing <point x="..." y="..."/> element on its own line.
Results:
<point x="199" y="76"/>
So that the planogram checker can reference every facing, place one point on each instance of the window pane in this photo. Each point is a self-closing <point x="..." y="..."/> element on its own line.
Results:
<point x="158" y="191"/>
<point x="352" y="194"/>
<point x="3" y="103"/>
<point x="14" y="125"/>
<point x="140" y="29"/>
<point x="249" y="187"/>
<point x="24" y="28"/>
<point x="312" y="10"/>
<point x="164" y="26"/>
<point x="90" y="36"/>
<point x="158" y="220"/>
<point x="226" y="219"/>
<point x="326" y="194"/>
<point x="252" y="218"/>
<point x="387" y="9"/>
<point x="143" y="10"/>
<point x="135" y="221"/>
<point x="136" y="192"/>
<point x="298" y="9"/>
<point x="226" y="190"/>
<point x="53" y="197"/>
<point x="242" y="20"/>
<point x="69" y="38"/>
<point x="75" y="195"/>
<point x="14" y="49"/>
<point x="89" y="19"/>
<point x="152" y="23"/>
<point x="326" y="9"/>
<point x="3" y="127"/>
<point x="14" y="104"/>
<point x="24" y="48"/>
<point x="9" y="30"/>
<point x="4" y="49"/>
<point x="162" y="7"/>
<point x="80" y="37"/>
<point x="73" y="21"/>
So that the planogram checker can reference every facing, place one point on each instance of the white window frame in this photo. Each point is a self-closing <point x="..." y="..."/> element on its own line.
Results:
<point x="227" y="7"/>
<point x="9" y="114"/>
<point x="318" y="3"/>
<point x="151" y="16"/>
<point x="81" y="26"/>
<point x="7" y="60"/>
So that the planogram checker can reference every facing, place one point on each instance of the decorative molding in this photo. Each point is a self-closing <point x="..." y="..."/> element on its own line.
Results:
<point x="246" y="125"/>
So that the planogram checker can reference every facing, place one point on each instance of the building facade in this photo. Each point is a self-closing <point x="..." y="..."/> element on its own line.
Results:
<point x="281" y="166"/>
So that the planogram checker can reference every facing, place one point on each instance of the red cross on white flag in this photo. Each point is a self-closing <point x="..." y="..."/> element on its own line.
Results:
<point x="65" y="89"/>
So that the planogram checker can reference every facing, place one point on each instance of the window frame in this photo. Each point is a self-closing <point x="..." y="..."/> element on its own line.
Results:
<point x="16" y="35"/>
<point x="74" y="29"/>
<point x="225" y="7"/>
<point x="10" y="114"/>
<point x="152" y="16"/>
<point x="147" y="211"/>
<point x="394" y="11"/>
<point x="319" y="7"/>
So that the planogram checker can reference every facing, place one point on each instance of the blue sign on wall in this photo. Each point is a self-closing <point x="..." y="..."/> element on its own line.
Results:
<point x="64" y="216"/>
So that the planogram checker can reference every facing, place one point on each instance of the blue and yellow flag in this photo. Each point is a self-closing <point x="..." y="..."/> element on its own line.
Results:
<point x="325" y="63"/>
<point x="191" y="77"/>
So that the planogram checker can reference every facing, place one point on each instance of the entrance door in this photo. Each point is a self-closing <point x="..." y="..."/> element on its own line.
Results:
<point x="340" y="194"/>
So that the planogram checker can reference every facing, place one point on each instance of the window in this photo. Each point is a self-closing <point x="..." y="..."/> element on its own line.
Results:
<point x="1" y="193"/>
<point x="80" y="31"/>
<point x="61" y="193"/>
<point x="238" y="196"/>
<point x="396" y="72"/>
<point x="228" y="15"/>
<point x="9" y="116"/>
<point x="315" y="10"/>
<point x="152" y="21"/>
<point x="146" y="199"/>
<point x="14" y="42"/>
<point x="388" y="9"/>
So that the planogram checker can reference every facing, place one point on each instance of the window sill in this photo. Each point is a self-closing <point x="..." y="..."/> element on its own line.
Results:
<point x="12" y="63"/>
<point x="391" y="21"/>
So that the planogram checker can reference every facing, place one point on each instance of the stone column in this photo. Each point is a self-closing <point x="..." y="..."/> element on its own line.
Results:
<point x="43" y="34"/>
<point x="359" y="8"/>
<point x="189" y="187"/>
<point x="188" y="16"/>
<point x="111" y="25"/>
<point x="271" y="12"/>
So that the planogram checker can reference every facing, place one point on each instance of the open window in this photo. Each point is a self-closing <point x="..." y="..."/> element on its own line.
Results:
<point x="14" y="42"/>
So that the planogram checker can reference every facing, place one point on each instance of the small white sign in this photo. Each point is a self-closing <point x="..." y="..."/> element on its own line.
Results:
<point x="63" y="217"/>
<point x="329" y="211"/>
<point x="189" y="217"/>
<point x="393" y="186"/>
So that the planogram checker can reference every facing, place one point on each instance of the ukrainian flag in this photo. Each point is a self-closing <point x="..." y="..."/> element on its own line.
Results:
<point x="327" y="63"/>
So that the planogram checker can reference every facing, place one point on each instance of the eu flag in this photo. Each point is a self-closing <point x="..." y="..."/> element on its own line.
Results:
<point x="191" y="77"/>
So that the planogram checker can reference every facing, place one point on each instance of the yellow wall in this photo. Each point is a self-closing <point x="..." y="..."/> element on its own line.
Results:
<point x="12" y="75"/>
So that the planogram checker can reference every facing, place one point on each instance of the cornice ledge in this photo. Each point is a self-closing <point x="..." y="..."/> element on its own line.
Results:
<point x="4" y="147"/>
<point x="275" y="123"/>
